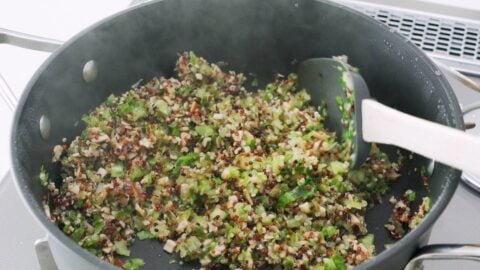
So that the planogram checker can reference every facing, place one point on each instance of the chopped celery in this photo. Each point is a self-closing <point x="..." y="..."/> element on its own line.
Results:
<point x="299" y="193"/>
<point x="355" y="204"/>
<point x="410" y="195"/>
<point x="43" y="177"/>
<point x="142" y="235"/>
<point x="117" y="170"/>
<point x="205" y="130"/>
<point x="121" y="248"/>
<point x="187" y="160"/>
<point x="336" y="262"/>
<point x="138" y="173"/>
<point x="329" y="231"/>
<point x="133" y="264"/>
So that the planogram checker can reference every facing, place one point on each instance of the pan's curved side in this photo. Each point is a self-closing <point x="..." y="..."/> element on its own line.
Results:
<point x="263" y="37"/>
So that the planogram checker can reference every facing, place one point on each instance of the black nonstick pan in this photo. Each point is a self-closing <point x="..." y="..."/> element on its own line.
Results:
<point x="262" y="37"/>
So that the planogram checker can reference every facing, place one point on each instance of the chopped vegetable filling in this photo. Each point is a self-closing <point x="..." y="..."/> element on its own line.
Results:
<point x="224" y="176"/>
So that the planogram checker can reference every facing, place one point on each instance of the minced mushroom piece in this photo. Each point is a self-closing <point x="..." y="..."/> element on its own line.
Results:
<point x="170" y="246"/>
<point x="305" y="207"/>
<point x="57" y="152"/>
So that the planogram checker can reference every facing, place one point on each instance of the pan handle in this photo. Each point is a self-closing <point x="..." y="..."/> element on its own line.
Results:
<point x="44" y="255"/>
<point x="28" y="41"/>
<point x="458" y="76"/>
<point x="445" y="252"/>
<point x="7" y="94"/>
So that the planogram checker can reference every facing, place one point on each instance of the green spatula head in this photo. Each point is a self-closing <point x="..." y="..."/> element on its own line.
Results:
<point x="342" y="89"/>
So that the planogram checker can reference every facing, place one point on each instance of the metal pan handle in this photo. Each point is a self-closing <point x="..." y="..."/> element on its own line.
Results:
<point x="7" y="94"/>
<point x="37" y="43"/>
<point x="28" y="41"/>
<point x="444" y="252"/>
<point x="44" y="255"/>
<point x="458" y="76"/>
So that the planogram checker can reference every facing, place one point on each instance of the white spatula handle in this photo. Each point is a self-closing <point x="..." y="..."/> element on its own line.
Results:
<point x="453" y="147"/>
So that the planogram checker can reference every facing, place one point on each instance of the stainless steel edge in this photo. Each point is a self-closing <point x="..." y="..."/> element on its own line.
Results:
<point x="444" y="252"/>
<point x="7" y="94"/>
<point x="461" y="65"/>
<point x="471" y="84"/>
<point x="28" y="41"/>
<point x="67" y="258"/>
<point x="44" y="254"/>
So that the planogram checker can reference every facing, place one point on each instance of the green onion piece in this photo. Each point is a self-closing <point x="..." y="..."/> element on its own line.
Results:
<point x="230" y="173"/>
<point x="98" y="224"/>
<point x="368" y="240"/>
<point x="353" y="204"/>
<point x="43" y="177"/>
<point x="410" y="195"/>
<point x="133" y="108"/>
<point x="78" y="234"/>
<point x="205" y="130"/>
<point x="338" y="167"/>
<point x="189" y="247"/>
<point x="161" y="107"/>
<point x="254" y="82"/>
<point x="336" y="262"/>
<point x="299" y="193"/>
<point x="138" y="173"/>
<point x="293" y="223"/>
<point x="175" y="130"/>
<point x="120" y="247"/>
<point x="426" y="204"/>
<point x="117" y="170"/>
<point x="187" y="160"/>
<point x="252" y="144"/>
<point x="133" y="264"/>
<point x="142" y="235"/>
<point x="329" y="231"/>
<point x="91" y="241"/>
<point x="289" y="262"/>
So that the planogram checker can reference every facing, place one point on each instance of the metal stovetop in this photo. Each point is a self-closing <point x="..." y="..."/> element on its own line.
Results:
<point x="458" y="224"/>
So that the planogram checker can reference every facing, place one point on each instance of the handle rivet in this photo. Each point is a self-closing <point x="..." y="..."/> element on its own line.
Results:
<point x="430" y="167"/>
<point x="90" y="71"/>
<point x="45" y="127"/>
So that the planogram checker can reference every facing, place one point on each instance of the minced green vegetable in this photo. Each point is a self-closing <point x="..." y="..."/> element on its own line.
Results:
<point x="134" y="264"/>
<point x="43" y="176"/>
<point x="223" y="176"/>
